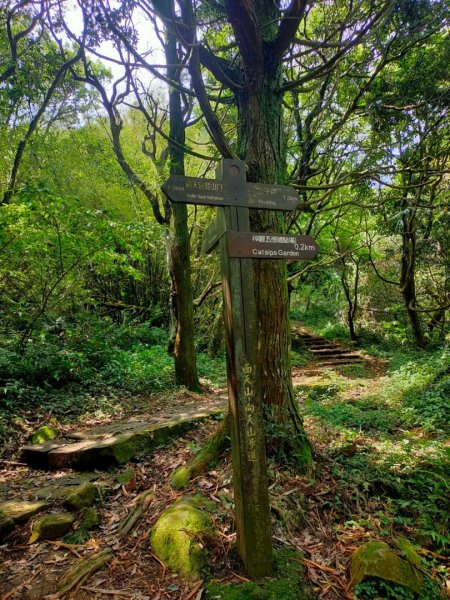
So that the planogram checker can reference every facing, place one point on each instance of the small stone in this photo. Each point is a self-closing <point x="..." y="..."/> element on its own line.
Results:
<point x="51" y="527"/>
<point x="80" y="497"/>
<point x="45" y="434"/>
<point x="91" y="519"/>
<point x="176" y="536"/>
<point x="377" y="559"/>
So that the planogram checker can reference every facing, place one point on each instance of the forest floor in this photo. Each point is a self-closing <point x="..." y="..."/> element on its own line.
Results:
<point x="368" y="462"/>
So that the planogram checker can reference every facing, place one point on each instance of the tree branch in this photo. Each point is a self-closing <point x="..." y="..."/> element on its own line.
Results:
<point x="288" y="29"/>
<point x="242" y="16"/>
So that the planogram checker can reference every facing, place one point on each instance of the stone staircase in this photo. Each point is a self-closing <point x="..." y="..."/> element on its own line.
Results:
<point x="325" y="354"/>
<point x="330" y="354"/>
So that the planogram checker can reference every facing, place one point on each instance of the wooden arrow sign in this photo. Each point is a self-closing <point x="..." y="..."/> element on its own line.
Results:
<point x="214" y="233"/>
<point x="210" y="192"/>
<point x="276" y="246"/>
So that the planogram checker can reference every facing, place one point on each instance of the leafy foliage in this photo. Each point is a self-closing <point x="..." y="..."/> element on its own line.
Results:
<point x="377" y="588"/>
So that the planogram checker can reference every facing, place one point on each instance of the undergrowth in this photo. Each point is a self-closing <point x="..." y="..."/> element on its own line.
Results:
<point x="377" y="589"/>
<point x="76" y="366"/>
<point x="387" y="446"/>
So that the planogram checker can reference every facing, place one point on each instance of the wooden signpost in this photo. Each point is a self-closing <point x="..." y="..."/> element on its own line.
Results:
<point x="238" y="248"/>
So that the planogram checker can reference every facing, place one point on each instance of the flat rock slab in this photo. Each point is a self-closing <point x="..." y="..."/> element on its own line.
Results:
<point x="114" y="444"/>
<point x="20" y="511"/>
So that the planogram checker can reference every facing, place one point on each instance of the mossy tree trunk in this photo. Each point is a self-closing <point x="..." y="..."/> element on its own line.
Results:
<point x="178" y="239"/>
<point x="262" y="146"/>
<point x="408" y="267"/>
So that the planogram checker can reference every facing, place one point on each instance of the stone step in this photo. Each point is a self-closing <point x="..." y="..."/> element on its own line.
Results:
<point x="344" y="363"/>
<point x="338" y="357"/>
<point x="326" y="353"/>
<point x="322" y="344"/>
<point x="100" y="449"/>
<point x="338" y="361"/>
<point x="333" y="352"/>
<point x="341" y="358"/>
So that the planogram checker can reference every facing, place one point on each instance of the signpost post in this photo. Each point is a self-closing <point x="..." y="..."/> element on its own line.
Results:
<point x="233" y="196"/>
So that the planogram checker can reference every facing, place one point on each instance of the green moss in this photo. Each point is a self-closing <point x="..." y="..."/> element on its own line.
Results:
<point x="51" y="527"/>
<point x="125" y="477"/>
<point x="90" y="519"/>
<point x="408" y="551"/>
<point x="45" y="434"/>
<point x="176" y="536"/>
<point x="143" y="442"/>
<point x="286" y="584"/>
<point x="80" y="497"/>
<point x="376" y="559"/>
<point x="213" y="448"/>
<point x="180" y="478"/>
<point x="124" y="451"/>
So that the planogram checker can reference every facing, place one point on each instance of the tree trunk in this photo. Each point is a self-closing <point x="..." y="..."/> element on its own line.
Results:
<point x="407" y="276"/>
<point x="261" y="145"/>
<point x="179" y="241"/>
<point x="352" y="302"/>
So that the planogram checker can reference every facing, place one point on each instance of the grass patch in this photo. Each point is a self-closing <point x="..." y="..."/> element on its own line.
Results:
<point x="212" y="369"/>
<point x="386" y="439"/>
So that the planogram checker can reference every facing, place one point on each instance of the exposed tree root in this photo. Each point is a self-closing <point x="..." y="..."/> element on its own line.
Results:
<point x="212" y="450"/>
<point x="89" y="565"/>
<point x="81" y="570"/>
<point x="135" y="514"/>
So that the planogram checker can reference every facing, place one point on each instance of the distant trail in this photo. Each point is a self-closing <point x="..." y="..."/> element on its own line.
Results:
<point x="326" y="354"/>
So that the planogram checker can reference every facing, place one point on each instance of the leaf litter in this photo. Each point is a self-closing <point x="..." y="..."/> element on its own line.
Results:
<point x="305" y="515"/>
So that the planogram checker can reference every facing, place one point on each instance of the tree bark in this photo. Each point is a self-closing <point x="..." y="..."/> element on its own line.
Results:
<point x="262" y="146"/>
<point x="407" y="275"/>
<point x="179" y="257"/>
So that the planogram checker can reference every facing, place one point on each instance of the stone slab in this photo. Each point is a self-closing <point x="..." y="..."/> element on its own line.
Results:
<point x="21" y="510"/>
<point x="116" y="445"/>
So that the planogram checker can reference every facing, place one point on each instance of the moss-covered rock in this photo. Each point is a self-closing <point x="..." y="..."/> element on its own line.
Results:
<point x="377" y="559"/>
<point x="286" y="584"/>
<point x="45" y="434"/>
<point x="90" y="519"/>
<point x="21" y="510"/>
<point x="51" y="527"/>
<point x="176" y="537"/>
<point x="80" y="497"/>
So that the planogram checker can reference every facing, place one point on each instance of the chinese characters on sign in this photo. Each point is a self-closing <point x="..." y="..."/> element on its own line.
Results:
<point x="250" y="411"/>
<point x="255" y="245"/>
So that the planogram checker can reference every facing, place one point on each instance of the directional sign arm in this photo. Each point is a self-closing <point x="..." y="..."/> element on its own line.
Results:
<point x="272" y="197"/>
<point x="273" y="246"/>
<point x="213" y="233"/>
<point x="195" y="190"/>
<point x="213" y="192"/>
